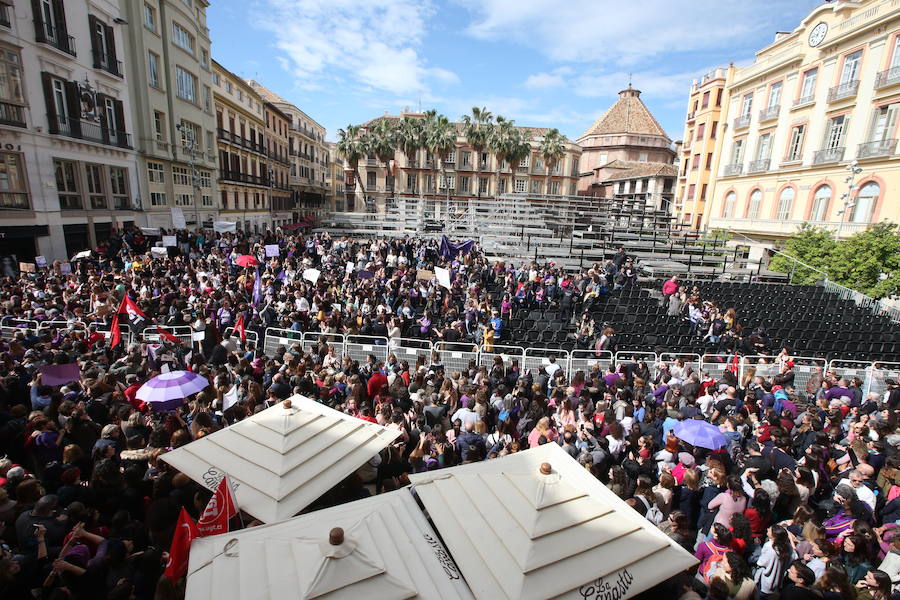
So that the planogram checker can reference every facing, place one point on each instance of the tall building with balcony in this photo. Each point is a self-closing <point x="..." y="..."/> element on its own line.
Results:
<point x="627" y="154"/>
<point x="698" y="150"/>
<point x="245" y="175"/>
<point x="308" y="154"/>
<point x="336" y="200"/>
<point x="469" y="174"/>
<point x="68" y="169"/>
<point x="817" y="102"/>
<point x="168" y="52"/>
<point x="278" y="137"/>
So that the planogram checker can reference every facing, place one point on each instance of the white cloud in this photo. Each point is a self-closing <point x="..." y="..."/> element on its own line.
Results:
<point x="542" y="81"/>
<point x="358" y="43"/>
<point x="619" y="33"/>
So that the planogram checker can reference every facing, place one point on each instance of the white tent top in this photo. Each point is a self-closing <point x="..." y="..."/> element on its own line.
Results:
<point x="388" y="551"/>
<point x="283" y="458"/>
<point x="536" y="524"/>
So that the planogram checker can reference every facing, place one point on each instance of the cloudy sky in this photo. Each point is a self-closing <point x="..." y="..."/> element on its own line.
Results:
<point x="556" y="63"/>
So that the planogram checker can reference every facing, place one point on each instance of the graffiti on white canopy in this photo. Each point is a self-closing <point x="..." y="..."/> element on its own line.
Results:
<point x="443" y="558"/>
<point x="614" y="587"/>
<point x="213" y="476"/>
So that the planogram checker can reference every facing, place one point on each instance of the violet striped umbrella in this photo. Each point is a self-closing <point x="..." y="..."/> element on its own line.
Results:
<point x="168" y="391"/>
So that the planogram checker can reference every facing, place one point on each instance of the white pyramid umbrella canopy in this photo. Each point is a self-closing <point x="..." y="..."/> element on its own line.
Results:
<point x="377" y="548"/>
<point x="536" y="525"/>
<point x="284" y="458"/>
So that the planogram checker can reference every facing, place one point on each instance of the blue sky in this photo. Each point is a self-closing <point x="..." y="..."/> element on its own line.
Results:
<point x="543" y="63"/>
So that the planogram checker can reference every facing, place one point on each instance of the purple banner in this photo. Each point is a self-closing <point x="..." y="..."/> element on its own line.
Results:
<point x="60" y="374"/>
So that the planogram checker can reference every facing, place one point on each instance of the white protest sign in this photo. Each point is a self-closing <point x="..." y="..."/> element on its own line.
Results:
<point x="150" y="230"/>
<point x="161" y="252"/>
<point x="224" y="226"/>
<point x="349" y="268"/>
<point x="311" y="275"/>
<point x="65" y="268"/>
<point x="178" y="221"/>
<point x="169" y="241"/>
<point x="40" y="261"/>
<point x="272" y="250"/>
<point x="443" y="277"/>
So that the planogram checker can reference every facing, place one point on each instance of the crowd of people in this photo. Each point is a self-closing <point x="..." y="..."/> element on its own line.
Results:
<point x="799" y="502"/>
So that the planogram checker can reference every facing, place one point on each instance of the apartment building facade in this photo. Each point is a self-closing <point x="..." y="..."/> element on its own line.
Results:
<point x="168" y="51"/>
<point x="465" y="174"/>
<point x="698" y="148"/>
<point x="307" y="152"/>
<point x="336" y="200"/>
<point x="245" y="176"/>
<point x="812" y="127"/>
<point x="68" y="169"/>
<point x="278" y="148"/>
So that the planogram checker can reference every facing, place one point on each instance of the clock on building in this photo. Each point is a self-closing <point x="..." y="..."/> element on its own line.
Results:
<point x="818" y="34"/>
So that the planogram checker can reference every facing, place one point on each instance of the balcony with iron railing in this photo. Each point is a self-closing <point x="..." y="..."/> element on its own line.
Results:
<point x="105" y="62"/>
<point x="783" y="227"/>
<point x="888" y="77"/>
<point x="843" y="91"/>
<point x="758" y="166"/>
<point x="88" y="130"/>
<point x="770" y="113"/>
<point x="733" y="169"/>
<point x="691" y="116"/>
<point x="877" y="149"/>
<point x="238" y="140"/>
<point x="742" y="121"/>
<point x="12" y="114"/>
<point x="14" y="201"/>
<point x="45" y="33"/>
<point x="828" y="155"/>
<point x="804" y="100"/>
<point x="235" y="176"/>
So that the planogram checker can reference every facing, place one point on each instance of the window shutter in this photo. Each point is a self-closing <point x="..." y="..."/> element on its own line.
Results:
<point x="73" y="100"/>
<point x="105" y="125"/>
<point x="111" y="49"/>
<point x="122" y="130"/>
<point x="96" y="50"/>
<point x="53" y="121"/>
<point x="62" y="32"/>
<point x="39" y="31"/>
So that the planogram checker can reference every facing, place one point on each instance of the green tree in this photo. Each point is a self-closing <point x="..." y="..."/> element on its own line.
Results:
<point x="811" y="245"/>
<point x="383" y="144"/>
<point x="440" y="141"/>
<point x="499" y="142"/>
<point x="478" y="128"/>
<point x="552" y="148"/>
<point x="410" y="140"/>
<point x="859" y="261"/>
<point x="351" y="147"/>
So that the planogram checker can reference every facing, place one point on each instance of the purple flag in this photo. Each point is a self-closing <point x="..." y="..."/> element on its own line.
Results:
<point x="60" y="374"/>
<point x="257" y="290"/>
<point x="280" y="276"/>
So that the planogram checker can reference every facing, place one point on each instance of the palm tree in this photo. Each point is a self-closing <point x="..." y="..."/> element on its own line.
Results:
<point x="552" y="148"/>
<point x="440" y="141"/>
<point x="499" y="141"/>
<point x="518" y="149"/>
<point x="477" y="128"/>
<point x="382" y="143"/>
<point x="411" y="139"/>
<point x="351" y="148"/>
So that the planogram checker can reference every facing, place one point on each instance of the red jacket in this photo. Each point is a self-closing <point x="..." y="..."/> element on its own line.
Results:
<point x="375" y="382"/>
<point x="130" y="394"/>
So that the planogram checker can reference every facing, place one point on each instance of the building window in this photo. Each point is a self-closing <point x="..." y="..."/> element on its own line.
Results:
<point x="764" y="147"/>
<point x="207" y="105"/>
<point x="754" y="204"/>
<point x="785" y="204"/>
<point x="451" y="157"/>
<point x="181" y="176"/>
<point x="67" y="185"/>
<point x="808" y="90"/>
<point x="204" y="58"/>
<point x="701" y="128"/>
<point x="182" y="39"/>
<point x="448" y="182"/>
<point x="774" y="95"/>
<point x="149" y="17"/>
<point x="692" y="190"/>
<point x="643" y="157"/>
<point x="524" y="162"/>
<point x="190" y="135"/>
<point x="464" y="184"/>
<point x="483" y="185"/>
<point x="709" y="157"/>
<point x="850" y="72"/>
<point x="554" y="188"/>
<point x="865" y="203"/>
<point x="156" y="172"/>
<point x="158" y="199"/>
<point x="705" y="99"/>
<point x="883" y="123"/>
<point x="728" y="207"/>
<point x="746" y="106"/>
<point x="184" y="199"/>
<point x="96" y="193"/>
<point x="371" y="180"/>
<point x="410" y="182"/>
<point x="216" y="80"/>
<point x="466" y="158"/>
<point x="737" y="152"/>
<point x="13" y="188"/>
<point x="695" y="162"/>
<point x="153" y="69"/>
<point x="205" y="179"/>
<point x="206" y="200"/>
<point x="834" y="135"/>
<point x="712" y="130"/>
<point x="186" y="84"/>
<point x="118" y="186"/>
<point x="521" y="185"/>
<point x="535" y="186"/>
<point x="159" y="128"/>
<point x="501" y="186"/>
<point x="820" y="203"/>
<point x="795" y="146"/>
<point x="719" y="97"/>
<point x="11" y="94"/>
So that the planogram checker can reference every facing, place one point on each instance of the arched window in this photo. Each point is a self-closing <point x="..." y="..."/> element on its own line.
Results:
<point x="821" y="200"/>
<point x="728" y="209"/>
<point x="785" y="203"/>
<point x="753" y="206"/>
<point x="865" y="203"/>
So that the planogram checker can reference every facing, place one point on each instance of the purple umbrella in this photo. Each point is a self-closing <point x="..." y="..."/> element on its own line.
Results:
<point x="168" y="391"/>
<point x="699" y="433"/>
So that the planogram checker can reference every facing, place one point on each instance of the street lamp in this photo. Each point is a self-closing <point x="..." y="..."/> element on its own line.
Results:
<point x="849" y="196"/>
<point x="195" y="175"/>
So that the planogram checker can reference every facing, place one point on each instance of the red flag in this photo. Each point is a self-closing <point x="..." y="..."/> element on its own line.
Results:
<point x="239" y="327"/>
<point x="221" y="507"/>
<point x="733" y="366"/>
<point x="116" y="337"/>
<point x="185" y="531"/>
<point x="166" y="335"/>
<point x="135" y="316"/>
<point x="95" y="337"/>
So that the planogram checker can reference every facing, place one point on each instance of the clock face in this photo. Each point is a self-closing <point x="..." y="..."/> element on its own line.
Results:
<point x="818" y="34"/>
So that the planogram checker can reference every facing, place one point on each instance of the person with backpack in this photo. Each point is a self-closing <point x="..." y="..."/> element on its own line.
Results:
<point x="777" y="554"/>
<point x="711" y="553"/>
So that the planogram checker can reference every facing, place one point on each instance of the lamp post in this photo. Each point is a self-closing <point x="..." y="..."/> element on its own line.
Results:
<point x="195" y="175"/>
<point x="848" y="197"/>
